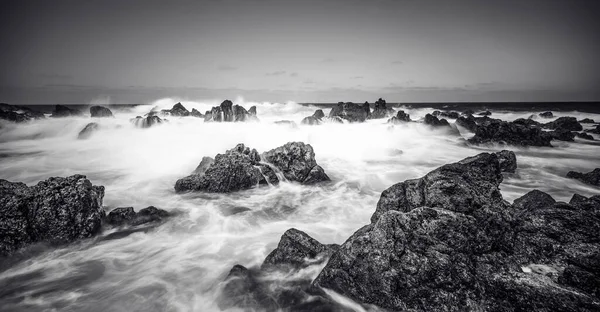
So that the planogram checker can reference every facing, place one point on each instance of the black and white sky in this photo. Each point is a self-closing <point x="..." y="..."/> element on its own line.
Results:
<point x="73" y="51"/>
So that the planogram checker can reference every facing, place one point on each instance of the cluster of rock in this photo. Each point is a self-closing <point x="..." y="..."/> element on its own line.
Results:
<point x="350" y="112"/>
<point x="592" y="178"/>
<point x="227" y="112"/>
<point x="16" y="113"/>
<point x="445" y="242"/>
<point x="401" y="117"/>
<point x="242" y="168"/>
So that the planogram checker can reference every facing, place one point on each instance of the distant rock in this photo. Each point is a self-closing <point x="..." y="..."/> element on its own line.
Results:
<point x="146" y="122"/>
<point x="17" y="113"/>
<point x="204" y="165"/>
<point x="100" y="111"/>
<point x="467" y="122"/>
<point x="88" y="130"/>
<point x="546" y="115"/>
<point x="485" y="113"/>
<point x="592" y="178"/>
<point x="315" y="119"/>
<point x="227" y="112"/>
<point x="521" y="132"/>
<point x="584" y="136"/>
<point x="587" y="120"/>
<point x="595" y="130"/>
<point x="435" y="122"/>
<point x="400" y="117"/>
<point x="564" y="123"/>
<point x="178" y="110"/>
<point x="196" y="113"/>
<point x="127" y="216"/>
<point x="349" y="111"/>
<point x="252" y="110"/>
<point x="289" y="123"/>
<point x="63" y="111"/>
<point x="319" y="114"/>
<point x="57" y="210"/>
<point x="241" y="168"/>
<point x="381" y="110"/>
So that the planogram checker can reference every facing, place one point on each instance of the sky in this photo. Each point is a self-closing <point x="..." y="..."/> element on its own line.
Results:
<point x="130" y="51"/>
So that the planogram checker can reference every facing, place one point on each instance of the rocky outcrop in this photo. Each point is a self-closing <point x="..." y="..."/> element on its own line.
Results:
<point x="127" y="216"/>
<point x="449" y="242"/>
<point x="57" y="210"/>
<point x="17" y="113"/>
<point x="350" y="112"/>
<point x="178" y="110"/>
<point x="381" y="110"/>
<point x="485" y="113"/>
<point x="521" y="132"/>
<point x="562" y="135"/>
<point x="435" y="122"/>
<point x="469" y="122"/>
<point x="595" y="130"/>
<point x="587" y="120"/>
<point x="564" y="123"/>
<point x="507" y="160"/>
<point x="146" y="122"/>
<point x="583" y="135"/>
<point x="196" y="113"/>
<point x="315" y="119"/>
<point x="227" y="112"/>
<point x="88" y="130"/>
<point x="451" y="114"/>
<point x="546" y="115"/>
<point x="592" y="178"/>
<point x="400" y="117"/>
<point x="100" y="111"/>
<point x="297" y="250"/>
<point x="242" y="168"/>
<point x="252" y="111"/>
<point x="63" y="111"/>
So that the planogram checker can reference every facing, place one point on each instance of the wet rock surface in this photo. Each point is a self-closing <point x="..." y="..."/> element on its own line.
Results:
<point x="57" y="210"/>
<point x="435" y="122"/>
<point x="64" y="111"/>
<point x="315" y="119"/>
<point x="196" y="113"/>
<point x="178" y="110"/>
<point x="521" y="132"/>
<point x="227" y="112"/>
<point x="100" y="112"/>
<point x="88" y="131"/>
<point x="127" y="216"/>
<point x="564" y="123"/>
<point x="592" y="178"/>
<point x="546" y="115"/>
<point x="400" y="117"/>
<point x="146" y="122"/>
<point x="350" y="112"/>
<point x="380" y="110"/>
<point x="16" y="113"/>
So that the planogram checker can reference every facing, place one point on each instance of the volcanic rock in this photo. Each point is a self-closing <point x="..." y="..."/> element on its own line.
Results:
<point x="196" y="113"/>
<point x="587" y="120"/>
<point x="521" y="132"/>
<point x="177" y="110"/>
<point x="584" y="136"/>
<point x="564" y="123"/>
<point x="127" y="216"/>
<point x="381" y="110"/>
<point x="400" y="117"/>
<point x="435" y="122"/>
<point x="297" y="250"/>
<point x="100" y="111"/>
<point x="592" y="178"/>
<point x="349" y="111"/>
<point x="546" y="115"/>
<point x="17" y="113"/>
<point x="146" y="122"/>
<point x="486" y="113"/>
<point x="88" y="130"/>
<point x="63" y="111"/>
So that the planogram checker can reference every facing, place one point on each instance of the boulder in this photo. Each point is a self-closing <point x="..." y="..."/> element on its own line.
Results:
<point x="88" y="130"/>
<point x="546" y="115"/>
<point x="595" y="130"/>
<point x="252" y="110"/>
<point x="63" y="111"/>
<point x="319" y="114"/>
<point x="146" y="122"/>
<point x="349" y="111"/>
<point x="521" y="132"/>
<point x="592" y="178"/>
<point x="584" y="136"/>
<point x="196" y="113"/>
<point x="57" y="210"/>
<point x="562" y="135"/>
<point x="485" y="113"/>
<point x="100" y="111"/>
<point x="381" y="110"/>
<point x="127" y="216"/>
<point x="227" y="112"/>
<point x="451" y="114"/>
<point x="296" y="161"/>
<point x="178" y="110"/>
<point x="467" y="122"/>
<point x="435" y="122"/>
<point x="297" y="250"/>
<point x="315" y="119"/>
<point x="507" y="160"/>
<point x="564" y="123"/>
<point x="400" y="117"/>
<point x="587" y="120"/>
<point x="17" y="113"/>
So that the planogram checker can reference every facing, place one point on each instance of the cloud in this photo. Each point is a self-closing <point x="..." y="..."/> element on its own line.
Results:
<point x="226" y="68"/>
<point x="276" y="73"/>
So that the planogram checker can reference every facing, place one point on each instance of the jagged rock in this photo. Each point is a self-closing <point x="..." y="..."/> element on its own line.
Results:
<point x="63" y="111"/>
<point x="297" y="250"/>
<point x="400" y="117"/>
<point x="584" y="136"/>
<point x="453" y="115"/>
<point x="177" y="110"/>
<point x="57" y="210"/>
<point x="315" y="119"/>
<point x="523" y="132"/>
<point x="127" y="216"/>
<point x="349" y="111"/>
<point x="507" y="160"/>
<point x="146" y="122"/>
<point x="596" y="130"/>
<point x="592" y="178"/>
<point x="204" y="165"/>
<point x="17" y="113"/>
<point x="546" y="115"/>
<point x="381" y="110"/>
<point x="562" y="135"/>
<point x="587" y="120"/>
<point x="467" y="122"/>
<point x="252" y="110"/>
<point x="565" y="123"/>
<point x="486" y="113"/>
<point x="196" y="113"/>
<point x="296" y="161"/>
<point x="435" y="122"/>
<point x="367" y="108"/>
<point x="100" y="111"/>
<point x="88" y="130"/>
<point x="319" y="114"/>
<point x="584" y="203"/>
<point x="227" y="112"/>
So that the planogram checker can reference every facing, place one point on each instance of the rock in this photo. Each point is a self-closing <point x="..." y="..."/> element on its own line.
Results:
<point x="349" y="111"/>
<point x="88" y="130"/>
<point x="381" y="110"/>
<point x="57" y="210"/>
<point x="196" y="113"/>
<point x="596" y="130"/>
<point x="587" y="120"/>
<point x="562" y="135"/>
<point x="127" y="216"/>
<point x="63" y="111"/>
<point x="319" y="114"/>
<point x="546" y="115"/>
<point x="252" y="110"/>
<point x="507" y="160"/>
<point x="453" y="115"/>
<point x="296" y="250"/>
<point x="467" y="122"/>
<point x="146" y="122"/>
<point x="584" y="136"/>
<point x="296" y="161"/>
<point x="584" y="203"/>
<point x="100" y="111"/>
<point x="468" y="112"/>
<point x="435" y="122"/>
<point x="17" y="113"/>
<point x="565" y="123"/>
<point x="227" y="112"/>
<point x="120" y="216"/>
<point x="400" y="117"/>
<point x="592" y="178"/>
<point x="521" y="132"/>
<point x="204" y="165"/>
<point x="485" y="113"/>
<point x="315" y="119"/>
<point x="178" y="110"/>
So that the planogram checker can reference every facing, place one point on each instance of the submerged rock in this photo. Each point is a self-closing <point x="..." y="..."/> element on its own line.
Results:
<point x="349" y="111"/>
<point x="451" y="114"/>
<point x="63" y="111"/>
<point x="315" y="119"/>
<point x="381" y="110"/>
<point x="241" y="168"/>
<point x="88" y="130"/>
<point x="178" y="110"/>
<point x="296" y="250"/>
<point x="100" y="111"/>
<point x="485" y="113"/>
<point x="146" y="122"/>
<point x="592" y="178"/>
<point x="57" y="210"/>
<point x="17" y="113"/>
<point x="562" y="135"/>
<point x="595" y="130"/>
<point x="584" y="136"/>
<point x="127" y="216"/>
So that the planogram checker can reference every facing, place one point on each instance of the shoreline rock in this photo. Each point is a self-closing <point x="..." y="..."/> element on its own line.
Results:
<point x="227" y="112"/>
<point x="16" y="113"/>
<point x="178" y="110"/>
<point x="350" y="112"/>
<point x="88" y="131"/>
<point x="97" y="111"/>
<point x="591" y="178"/>
<point x="127" y="216"/>
<point x="63" y="111"/>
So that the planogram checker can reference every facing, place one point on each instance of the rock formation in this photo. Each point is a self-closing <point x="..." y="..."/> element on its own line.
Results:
<point x="100" y="111"/>
<point x="592" y="177"/>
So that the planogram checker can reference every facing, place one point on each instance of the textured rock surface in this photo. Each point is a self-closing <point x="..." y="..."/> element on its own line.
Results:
<point x="592" y="177"/>
<point x="296" y="161"/>
<point x="564" y="123"/>
<point x="227" y="112"/>
<point x="435" y="122"/>
<point x="349" y="111"/>
<point x="100" y="111"/>
<point x="88" y="130"/>
<point x="57" y="210"/>
<point x="17" y="113"/>
<point x="196" y="113"/>
<point x="178" y="110"/>
<point x="400" y="117"/>
<point x="380" y="110"/>
<point x="584" y="136"/>
<point x="297" y="250"/>
<point x="521" y="132"/>
<point x="127" y="216"/>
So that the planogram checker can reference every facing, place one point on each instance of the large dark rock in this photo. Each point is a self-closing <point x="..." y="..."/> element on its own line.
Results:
<point x="252" y="110"/>
<point x="17" y="113"/>
<point x="349" y="111"/>
<point x="435" y="122"/>
<point x="469" y="122"/>
<point x="100" y="111"/>
<point x="57" y="210"/>
<point x="227" y="112"/>
<point x="127" y="216"/>
<point x="451" y="114"/>
<point x="381" y="110"/>
<point x="592" y="177"/>
<point x="63" y="111"/>
<point x="146" y="122"/>
<point x="88" y="130"/>
<point x="507" y="160"/>
<point x="595" y="130"/>
<point x="563" y="135"/>
<point x="400" y="117"/>
<point x="178" y="110"/>
<point x="296" y="161"/>
<point x="521" y="132"/>
<point x="564" y="123"/>
<point x="546" y="115"/>
<point x="297" y="250"/>
<point x="584" y="136"/>
<point x="196" y="113"/>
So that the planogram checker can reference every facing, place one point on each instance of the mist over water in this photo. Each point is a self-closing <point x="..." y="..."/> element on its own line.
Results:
<point x="179" y="265"/>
